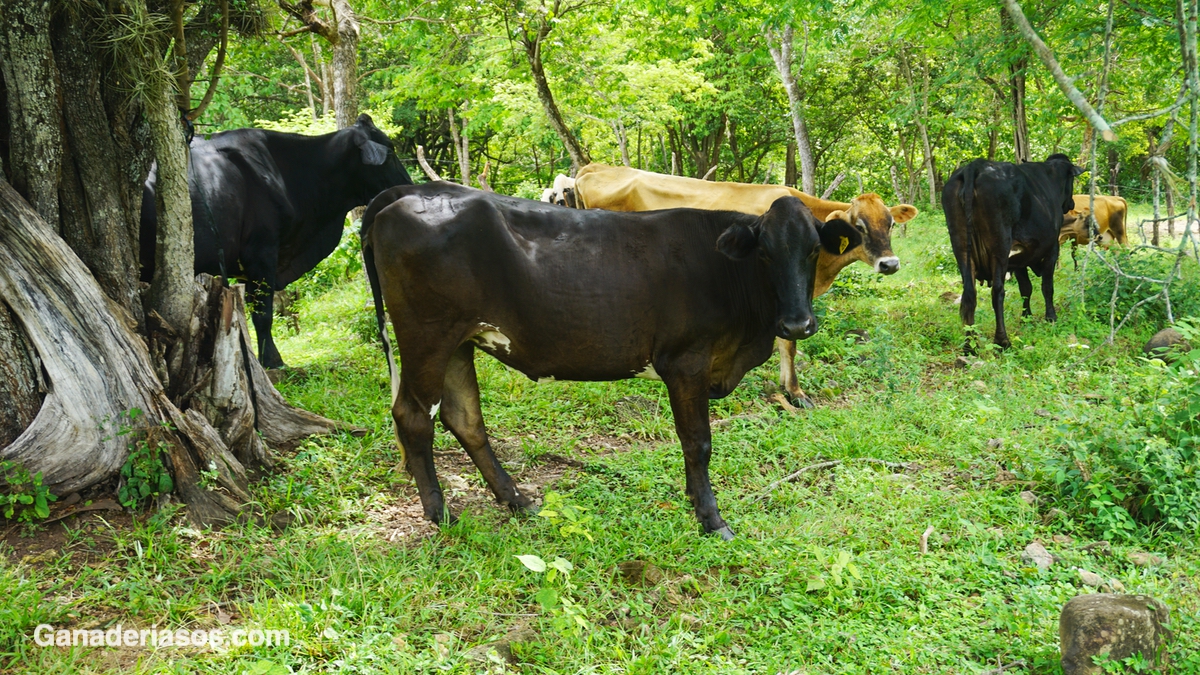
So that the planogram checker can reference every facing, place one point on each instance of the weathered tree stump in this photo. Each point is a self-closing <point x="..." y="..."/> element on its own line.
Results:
<point x="97" y="370"/>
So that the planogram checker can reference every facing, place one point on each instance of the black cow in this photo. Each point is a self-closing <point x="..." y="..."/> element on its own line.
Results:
<point x="1003" y="217"/>
<point x="693" y="298"/>
<point x="268" y="206"/>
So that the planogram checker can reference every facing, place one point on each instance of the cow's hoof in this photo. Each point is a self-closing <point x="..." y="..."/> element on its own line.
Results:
<point x="724" y="533"/>
<point x="802" y="400"/>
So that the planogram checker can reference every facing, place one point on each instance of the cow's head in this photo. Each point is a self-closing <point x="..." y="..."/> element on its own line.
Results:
<point x="371" y="159"/>
<point x="787" y="239"/>
<point x="873" y="219"/>
<point x="1064" y="174"/>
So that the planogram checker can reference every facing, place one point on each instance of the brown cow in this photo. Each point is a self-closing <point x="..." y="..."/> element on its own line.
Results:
<point x="1110" y="218"/>
<point x="618" y="188"/>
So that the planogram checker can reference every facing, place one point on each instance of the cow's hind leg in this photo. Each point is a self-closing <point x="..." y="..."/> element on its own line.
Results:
<point x="461" y="414"/>
<point x="1048" y="268"/>
<point x="787" y="373"/>
<point x="416" y="404"/>
<point x="689" y="402"/>
<point x="998" y="275"/>
<point x="1026" y="287"/>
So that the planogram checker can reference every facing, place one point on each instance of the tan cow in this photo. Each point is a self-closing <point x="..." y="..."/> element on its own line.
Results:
<point x="617" y="188"/>
<point x="1110" y="217"/>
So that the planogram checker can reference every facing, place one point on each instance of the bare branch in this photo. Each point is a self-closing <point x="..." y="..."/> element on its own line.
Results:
<point x="215" y="77"/>
<point x="425" y="165"/>
<point x="1064" y="83"/>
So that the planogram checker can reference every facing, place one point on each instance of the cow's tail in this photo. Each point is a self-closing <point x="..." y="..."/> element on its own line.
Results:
<point x="368" y="254"/>
<point x="975" y="255"/>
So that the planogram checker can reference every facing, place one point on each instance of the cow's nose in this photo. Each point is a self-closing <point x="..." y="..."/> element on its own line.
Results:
<point x="889" y="265"/>
<point x="797" y="330"/>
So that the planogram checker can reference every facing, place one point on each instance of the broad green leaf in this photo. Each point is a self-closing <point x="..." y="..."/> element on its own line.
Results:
<point x="533" y="562"/>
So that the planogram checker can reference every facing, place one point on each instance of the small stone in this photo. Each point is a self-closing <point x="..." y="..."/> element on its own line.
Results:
<point x="979" y="385"/>
<point x="1028" y="497"/>
<point x="1118" y="626"/>
<point x="1063" y="539"/>
<point x="962" y="362"/>
<point x="502" y="647"/>
<point x="689" y="621"/>
<point x="1115" y="586"/>
<point x="1142" y="559"/>
<point x="994" y="443"/>
<point x="1005" y="476"/>
<point x="71" y="500"/>
<point x="456" y="482"/>
<point x="1090" y="579"/>
<point x="640" y="573"/>
<point x="1037" y="555"/>
<point x="1042" y="412"/>
<point x="1099" y="548"/>
<point x="400" y="641"/>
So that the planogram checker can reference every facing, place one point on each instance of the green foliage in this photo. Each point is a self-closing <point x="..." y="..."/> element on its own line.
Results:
<point x="344" y="263"/>
<point x="1099" y="280"/>
<point x="569" y="518"/>
<point x="1136" y="463"/>
<point x="143" y="475"/>
<point x="569" y="616"/>
<point x="24" y="496"/>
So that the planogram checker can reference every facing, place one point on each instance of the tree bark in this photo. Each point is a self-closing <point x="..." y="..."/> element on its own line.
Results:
<point x="461" y="143"/>
<point x="1016" y="85"/>
<point x="780" y="48"/>
<point x="31" y="82"/>
<point x="345" y="64"/>
<point x="532" y="42"/>
<point x="20" y="375"/>
<point x="174" y="253"/>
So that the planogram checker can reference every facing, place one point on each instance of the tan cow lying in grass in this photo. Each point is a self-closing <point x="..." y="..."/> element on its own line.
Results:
<point x="618" y="188"/>
<point x="1110" y="218"/>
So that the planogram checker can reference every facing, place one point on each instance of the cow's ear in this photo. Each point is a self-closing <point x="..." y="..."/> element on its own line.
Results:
<point x="1077" y="170"/>
<point x="838" y="236"/>
<point x="365" y="120"/>
<point x="738" y="242"/>
<point x="902" y="213"/>
<point x="373" y="154"/>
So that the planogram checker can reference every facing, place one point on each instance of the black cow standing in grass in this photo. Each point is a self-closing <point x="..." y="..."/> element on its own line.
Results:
<point x="1006" y="217"/>
<point x="268" y="206"/>
<point x="693" y="298"/>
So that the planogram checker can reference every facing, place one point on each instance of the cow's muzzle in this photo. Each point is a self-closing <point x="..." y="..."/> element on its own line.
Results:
<point x="796" y="329"/>
<point x="888" y="265"/>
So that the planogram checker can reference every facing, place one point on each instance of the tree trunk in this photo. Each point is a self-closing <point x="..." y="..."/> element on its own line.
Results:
<point x="781" y="53"/>
<point x="789" y="171"/>
<point x="1114" y="170"/>
<point x="461" y="143"/>
<point x="30" y="75"/>
<point x="533" y="55"/>
<point x="174" y="253"/>
<point x="1020" y="124"/>
<point x="325" y="81"/>
<point x="345" y="64"/>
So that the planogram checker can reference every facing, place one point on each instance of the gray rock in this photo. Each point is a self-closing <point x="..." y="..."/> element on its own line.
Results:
<point x="1116" y="625"/>
<point x="962" y="362"/>
<point x="1028" y="497"/>
<point x="1090" y="578"/>
<point x="1099" y="548"/>
<point x="1037" y="554"/>
<point x="640" y="573"/>
<point x="1166" y="345"/>
<point x="503" y="646"/>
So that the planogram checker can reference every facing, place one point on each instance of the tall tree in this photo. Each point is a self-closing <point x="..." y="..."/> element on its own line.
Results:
<point x="780" y="45"/>
<point x="341" y="30"/>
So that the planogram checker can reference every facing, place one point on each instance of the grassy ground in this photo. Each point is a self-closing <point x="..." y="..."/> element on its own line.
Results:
<point x="826" y="575"/>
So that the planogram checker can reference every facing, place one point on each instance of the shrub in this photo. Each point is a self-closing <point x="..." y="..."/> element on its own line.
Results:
<point x="341" y="265"/>
<point x="1099" y="279"/>
<point x="24" y="497"/>
<point x="1136" y="464"/>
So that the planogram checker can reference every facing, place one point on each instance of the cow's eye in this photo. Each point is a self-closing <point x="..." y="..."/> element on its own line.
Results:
<point x="861" y="225"/>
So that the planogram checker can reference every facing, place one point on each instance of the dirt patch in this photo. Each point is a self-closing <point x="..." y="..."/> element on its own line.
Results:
<point x="84" y="529"/>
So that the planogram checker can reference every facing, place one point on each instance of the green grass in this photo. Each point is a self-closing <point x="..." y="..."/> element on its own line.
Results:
<point x="776" y="599"/>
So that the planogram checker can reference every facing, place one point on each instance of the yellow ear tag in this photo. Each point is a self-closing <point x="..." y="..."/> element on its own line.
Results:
<point x="845" y="243"/>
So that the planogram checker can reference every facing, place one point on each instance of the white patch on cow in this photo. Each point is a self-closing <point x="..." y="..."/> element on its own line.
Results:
<point x="879" y="263"/>
<point x="1016" y="250"/>
<point x="433" y="410"/>
<point x="544" y="380"/>
<point x="492" y="338"/>
<point x="548" y="195"/>
<point x="648" y="373"/>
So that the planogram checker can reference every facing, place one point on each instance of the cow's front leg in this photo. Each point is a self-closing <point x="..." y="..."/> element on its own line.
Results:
<point x="787" y="373"/>
<point x="261" y="296"/>
<point x="1026" y="288"/>
<point x="689" y="403"/>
